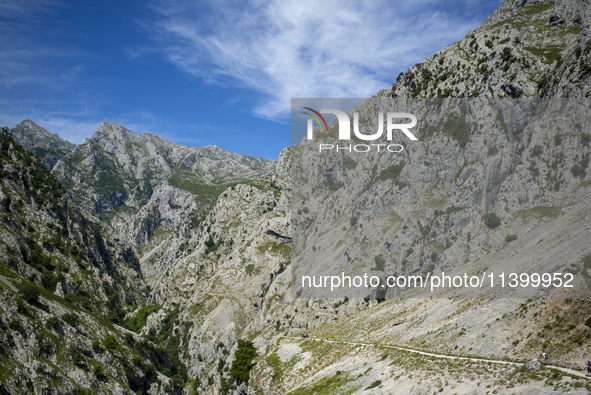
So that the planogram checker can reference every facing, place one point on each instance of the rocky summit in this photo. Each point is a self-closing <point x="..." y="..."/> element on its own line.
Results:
<point x="131" y="264"/>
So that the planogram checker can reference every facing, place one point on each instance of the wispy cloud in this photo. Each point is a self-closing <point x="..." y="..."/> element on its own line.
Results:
<point x="28" y="9"/>
<point x="288" y="48"/>
<point x="29" y="58"/>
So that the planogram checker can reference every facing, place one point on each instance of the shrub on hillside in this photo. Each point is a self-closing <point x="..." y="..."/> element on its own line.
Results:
<point x="242" y="364"/>
<point x="491" y="220"/>
<point x="510" y="238"/>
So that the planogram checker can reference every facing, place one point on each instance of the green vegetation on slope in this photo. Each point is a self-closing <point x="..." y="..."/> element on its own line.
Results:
<point x="205" y="193"/>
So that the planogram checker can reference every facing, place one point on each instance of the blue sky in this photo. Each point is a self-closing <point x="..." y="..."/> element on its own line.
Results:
<point x="202" y="73"/>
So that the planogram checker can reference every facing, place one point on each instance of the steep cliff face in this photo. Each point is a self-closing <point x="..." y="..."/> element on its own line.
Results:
<point x="431" y="203"/>
<point x="64" y="288"/>
<point x="524" y="49"/>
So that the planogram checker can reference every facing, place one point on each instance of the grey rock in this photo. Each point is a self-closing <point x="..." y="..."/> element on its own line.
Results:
<point x="49" y="147"/>
<point x="59" y="291"/>
<point x="533" y="365"/>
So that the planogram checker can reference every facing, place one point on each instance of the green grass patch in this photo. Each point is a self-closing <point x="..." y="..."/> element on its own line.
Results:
<point x="391" y="172"/>
<point x="349" y="163"/>
<point x="205" y="193"/>
<point x="265" y="187"/>
<point x="275" y="248"/>
<point x="548" y="54"/>
<point x="327" y="386"/>
<point x="137" y="322"/>
<point x="274" y="361"/>
<point x="457" y="129"/>
<point x="538" y="212"/>
<point x="535" y="9"/>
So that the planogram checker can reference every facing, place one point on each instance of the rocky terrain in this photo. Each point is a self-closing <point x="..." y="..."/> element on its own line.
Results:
<point x="65" y="287"/>
<point x="136" y="183"/>
<point x="48" y="147"/>
<point x="139" y="265"/>
<point x="525" y="48"/>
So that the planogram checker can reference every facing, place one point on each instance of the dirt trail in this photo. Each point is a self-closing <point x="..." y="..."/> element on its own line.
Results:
<point x="473" y="359"/>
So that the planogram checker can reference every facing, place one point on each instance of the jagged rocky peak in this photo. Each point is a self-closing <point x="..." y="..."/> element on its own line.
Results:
<point x="48" y="146"/>
<point x="113" y="131"/>
<point x="28" y="126"/>
<point x="557" y="12"/>
<point x="32" y="134"/>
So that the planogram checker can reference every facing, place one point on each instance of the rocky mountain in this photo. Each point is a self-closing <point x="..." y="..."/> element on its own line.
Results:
<point x="65" y="288"/>
<point x="524" y="49"/>
<point x="137" y="182"/>
<point x="488" y="185"/>
<point x="49" y="147"/>
<point x="116" y="164"/>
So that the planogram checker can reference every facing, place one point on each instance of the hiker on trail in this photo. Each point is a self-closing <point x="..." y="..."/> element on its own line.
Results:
<point x="545" y="357"/>
<point x="588" y="368"/>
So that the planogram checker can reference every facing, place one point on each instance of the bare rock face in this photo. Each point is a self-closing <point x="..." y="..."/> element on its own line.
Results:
<point x="167" y="208"/>
<point x="533" y="365"/>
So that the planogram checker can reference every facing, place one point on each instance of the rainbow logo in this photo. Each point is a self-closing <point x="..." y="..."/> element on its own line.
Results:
<point x="317" y="120"/>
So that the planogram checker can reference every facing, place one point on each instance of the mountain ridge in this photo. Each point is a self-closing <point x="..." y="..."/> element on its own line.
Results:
<point x="522" y="49"/>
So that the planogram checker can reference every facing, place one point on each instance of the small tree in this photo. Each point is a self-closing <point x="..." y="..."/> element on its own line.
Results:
<point x="30" y="293"/>
<point x="110" y="343"/>
<point x="99" y="372"/>
<point x="96" y="345"/>
<point x="71" y="319"/>
<point x="510" y="238"/>
<point x="52" y="323"/>
<point x="243" y="358"/>
<point x="491" y="220"/>
<point x="77" y="357"/>
<point x="150" y="372"/>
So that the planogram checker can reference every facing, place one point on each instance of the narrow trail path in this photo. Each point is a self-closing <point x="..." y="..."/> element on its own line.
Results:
<point x="472" y="359"/>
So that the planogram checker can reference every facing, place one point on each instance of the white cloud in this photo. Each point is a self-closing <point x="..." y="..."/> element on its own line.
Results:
<point x="288" y="48"/>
